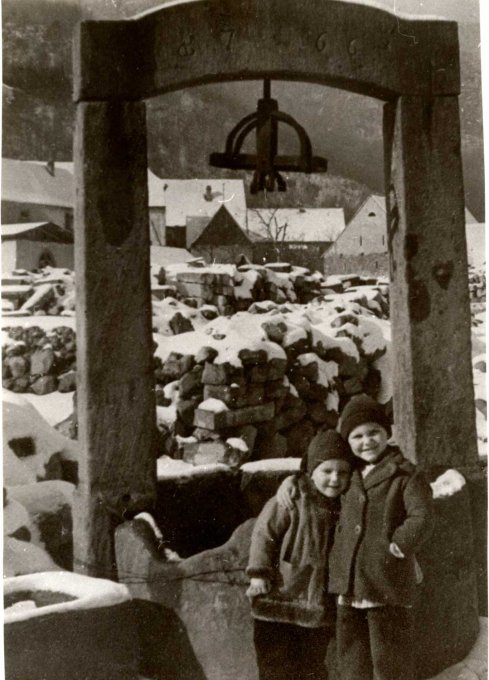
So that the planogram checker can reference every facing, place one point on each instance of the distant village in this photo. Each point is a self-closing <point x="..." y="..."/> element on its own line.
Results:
<point x="200" y="218"/>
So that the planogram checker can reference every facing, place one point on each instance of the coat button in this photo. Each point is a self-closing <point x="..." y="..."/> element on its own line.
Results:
<point x="358" y="529"/>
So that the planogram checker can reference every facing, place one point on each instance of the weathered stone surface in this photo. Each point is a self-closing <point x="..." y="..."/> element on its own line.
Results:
<point x="255" y="394"/>
<point x="233" y="396"/>
<point x="273" y="446"/>
<point x="275" y="330"/>
<point x="42" y="362"/>
<point x="317" y="412"/>
<point x="186" y="409"/>
<point x="191" y="382"/>
<point x="257" y="374"/>
<point x="44" y="385"/>
<point x="252" y="357"/>
<point x="180" y="324"/>
<point x="67" y="382"/>
<point x="276" y="368"/>
<point x="299" y="437"/>
<point x="206" y="354"/>
<point x="233" y="418"/>
<point x="18" y="366"/>
<point x="96" y="643"/>
<point x="222" y="374"/>
<point x="294" y="410"/>
<point x="115" y="397"/>
<point x="430" y="308"/>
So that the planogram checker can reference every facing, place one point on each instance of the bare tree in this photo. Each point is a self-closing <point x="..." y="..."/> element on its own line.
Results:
<point x="275" y="232"/>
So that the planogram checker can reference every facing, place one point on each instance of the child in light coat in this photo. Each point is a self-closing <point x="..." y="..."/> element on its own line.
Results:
<point x="288" y="568"/>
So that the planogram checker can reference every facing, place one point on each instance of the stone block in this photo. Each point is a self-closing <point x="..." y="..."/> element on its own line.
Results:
<point x="18" y="366"/>
<point x="255" y="394"/>
<point x="233" y="418"/>
<point x="275" y="330"/>
<point x="352" y="386"/>
<point x="257" y="374"/>
<point x="44" y="385"/>
<point x="293" y="411"/>
<point x="317" y="412"/>
<point x="67" y="382"/>
<point x="274" y="446"/>
<point x="276" y="368"/>
<point x="206" y="354"/>
<point x="42" y="362"/>
<point x="222" y="374"/>
<point x="299" y="437"/>
<point x="234" y="396"/>
<point x="180" y="324"/>
<point x="162" y="292"/>
<point x="275" y="389"/>
<point x="191" y="382"/>
<point x="251" y="357"/>
<point x="42" y="296"/>
<point x="186" y="409"/>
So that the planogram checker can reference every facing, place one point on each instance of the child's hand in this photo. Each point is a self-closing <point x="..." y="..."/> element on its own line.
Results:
<point x="287" y="492"/>
<point x="258" y="586"/>
<point x="395" y="550"/>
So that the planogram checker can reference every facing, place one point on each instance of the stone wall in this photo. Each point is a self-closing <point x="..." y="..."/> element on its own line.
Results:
<point x="372" y="264"/>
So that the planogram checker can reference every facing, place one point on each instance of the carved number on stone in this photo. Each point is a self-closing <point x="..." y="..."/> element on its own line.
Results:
<point x="322" y="43"/>
<point x="187" y="49"/>
<point x="227" y="35"/>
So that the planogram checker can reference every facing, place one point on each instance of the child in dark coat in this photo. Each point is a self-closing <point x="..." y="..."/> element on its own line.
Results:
<point x="288" y="567"/>
<point x="385" y="517"/>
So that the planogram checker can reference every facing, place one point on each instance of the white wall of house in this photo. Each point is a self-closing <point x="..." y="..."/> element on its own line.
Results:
<point x="25" y="254"/>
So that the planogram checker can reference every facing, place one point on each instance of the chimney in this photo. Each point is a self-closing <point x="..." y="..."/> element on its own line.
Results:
<point x="50" y="167"/>
<point x="208" y="193"/>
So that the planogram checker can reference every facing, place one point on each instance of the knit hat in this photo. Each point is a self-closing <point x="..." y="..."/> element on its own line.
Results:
<point x="362" y="409"/>
<point x="327" y="445"/>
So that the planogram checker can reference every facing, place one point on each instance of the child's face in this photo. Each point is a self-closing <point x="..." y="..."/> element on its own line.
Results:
<point x="331" y="477"/>
<point x="368" y="441"/>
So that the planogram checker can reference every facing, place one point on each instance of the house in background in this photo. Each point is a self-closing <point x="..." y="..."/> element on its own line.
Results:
<point x="176" y="203"/>
<point x="37" y="192"/>
<point x="297" y="235"/>
<point x="35" y="245"/>
<point x="362" y="246"/>
<point x="220" y="239"/>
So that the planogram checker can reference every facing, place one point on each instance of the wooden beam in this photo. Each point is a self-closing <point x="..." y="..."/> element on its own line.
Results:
<point x="429" y="295"/>
<point x="115" y="398"/>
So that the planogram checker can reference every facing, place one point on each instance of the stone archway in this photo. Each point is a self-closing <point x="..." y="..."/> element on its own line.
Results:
<point x="413" y="66"/>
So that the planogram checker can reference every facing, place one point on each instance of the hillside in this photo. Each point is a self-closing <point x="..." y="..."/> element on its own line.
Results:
<point x="184" y="127"/>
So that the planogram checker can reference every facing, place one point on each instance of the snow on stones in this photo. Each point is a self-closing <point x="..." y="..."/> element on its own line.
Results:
<point x="280" y="371"/>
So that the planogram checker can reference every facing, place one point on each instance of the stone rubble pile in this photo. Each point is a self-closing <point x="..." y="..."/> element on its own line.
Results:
<point x="37" y="361"/>
<point x="49" y="291"/>
<point x="477" y="285"/>
<point x="260" y="384"/>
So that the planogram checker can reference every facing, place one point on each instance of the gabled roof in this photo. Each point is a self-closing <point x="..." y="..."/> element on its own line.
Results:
<point x="30" y="182"/>
<point x="221" y="229"/>
<point x="184" y="198"/>
<point x="377" y="201"/>
<point x="312" y="224"/>
<point x="36" y="231"/>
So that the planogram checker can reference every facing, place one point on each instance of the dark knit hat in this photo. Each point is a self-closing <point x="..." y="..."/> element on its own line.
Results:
<point x="327" y="445"/>
<point x="362" y="409"/>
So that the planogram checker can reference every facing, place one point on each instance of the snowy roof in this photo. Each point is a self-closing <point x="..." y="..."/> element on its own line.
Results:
<point x="36" y="231"/>
<point x="378" y="201"/>
<point x="183" y="198"/>
<point x="165" y="255"/>
<point x="312" y="224"/>
<point x="30" y="182"/>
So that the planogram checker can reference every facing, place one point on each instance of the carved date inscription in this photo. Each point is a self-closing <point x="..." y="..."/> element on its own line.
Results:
<point x="322" y="42"/>
<point x="186" y="48"/>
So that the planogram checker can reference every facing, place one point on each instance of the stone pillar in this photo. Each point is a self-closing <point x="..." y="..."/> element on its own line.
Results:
<point x="115" y="398"/>
<point x="430" y="311"/>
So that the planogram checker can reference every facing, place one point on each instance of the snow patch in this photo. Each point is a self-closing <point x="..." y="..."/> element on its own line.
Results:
<point x="89" y="592"/>
<point x="238" y="443"/>
<point x="213" y="405"/>
<point x="448" y="484"/>
<point x="273" y="464"/>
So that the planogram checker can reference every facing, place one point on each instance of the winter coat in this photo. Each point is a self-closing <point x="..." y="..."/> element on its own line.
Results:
<point x="290" y="547"/>
<point x="391" y="504"/>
